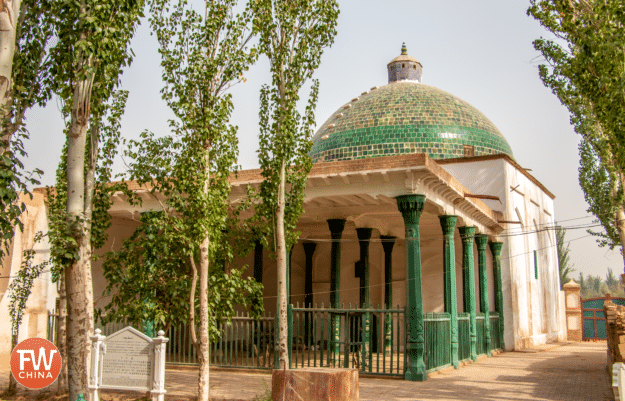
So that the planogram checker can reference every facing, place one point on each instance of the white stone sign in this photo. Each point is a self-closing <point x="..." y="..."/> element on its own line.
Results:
<point x="128" y="360"/>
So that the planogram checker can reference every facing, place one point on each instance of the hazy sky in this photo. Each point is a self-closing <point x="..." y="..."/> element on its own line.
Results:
<point x="480" y="51"/>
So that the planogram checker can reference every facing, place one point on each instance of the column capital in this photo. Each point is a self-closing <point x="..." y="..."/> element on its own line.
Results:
<point x="336" y="226"/>
<point x="495" y="248"/>
<point x="411" y="207"/>
<point x="467" y="233"/>
<point x="364" y="234"/>
<point x="309" y="247"/>
<point x="387" y="242"/>
<point x="448" y="223"/>
<point x="482" y="241"/>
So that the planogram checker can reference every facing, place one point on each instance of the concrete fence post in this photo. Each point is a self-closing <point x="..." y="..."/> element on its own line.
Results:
<point x="158" y="382"/>
<point x="573" y="311"/>
<point x="94" y="381"/>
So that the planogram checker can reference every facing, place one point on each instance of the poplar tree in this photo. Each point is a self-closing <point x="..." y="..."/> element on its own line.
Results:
<point x="293" y="35"/>
<point x="584" y="69"/>
<point x="603" y="190"/>
<point x="26" y="32"/>
<point x="93" y="47"/>
<point x="565" y="267"/>
<point x="202" y="55"/>
<point x="101" y="152"/>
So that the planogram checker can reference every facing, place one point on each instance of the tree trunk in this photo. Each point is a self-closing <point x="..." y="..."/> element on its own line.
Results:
<point x="79" y="322"/>
<point x="9" y="15"/>
<point x="281" y="262"/>
<point x="620" y="227"/>
<point x="12" y="382"/>
<point x="192" y="308"/>
<point x="78" y="278"/>
<point x="61" y="336"/>
<point x="619" y="215"/>
<point x="203" y="379"/>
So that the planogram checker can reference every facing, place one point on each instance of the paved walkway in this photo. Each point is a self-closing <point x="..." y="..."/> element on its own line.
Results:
<point x="574" y="371"/>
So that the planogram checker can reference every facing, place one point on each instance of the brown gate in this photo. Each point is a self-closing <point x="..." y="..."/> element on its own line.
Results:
<point x="594" y="327"/>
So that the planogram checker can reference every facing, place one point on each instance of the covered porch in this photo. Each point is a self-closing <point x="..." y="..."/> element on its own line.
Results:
<point x="397" y="272"/>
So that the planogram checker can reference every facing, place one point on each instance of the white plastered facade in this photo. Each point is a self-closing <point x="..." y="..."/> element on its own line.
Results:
<point x="533" y="303"/>
<point x="43" y="296"/>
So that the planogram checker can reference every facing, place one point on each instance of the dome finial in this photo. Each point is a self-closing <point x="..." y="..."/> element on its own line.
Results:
<point x="404" y="67"/>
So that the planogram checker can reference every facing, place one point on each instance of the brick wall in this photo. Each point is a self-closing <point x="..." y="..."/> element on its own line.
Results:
<point x="615" y="324"/>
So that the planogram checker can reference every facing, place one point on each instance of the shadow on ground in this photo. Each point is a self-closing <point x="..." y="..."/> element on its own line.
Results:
<point x="571" y="372"/>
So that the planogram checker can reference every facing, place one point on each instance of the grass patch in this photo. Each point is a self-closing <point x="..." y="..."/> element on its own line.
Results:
<point x="266" y="394"/>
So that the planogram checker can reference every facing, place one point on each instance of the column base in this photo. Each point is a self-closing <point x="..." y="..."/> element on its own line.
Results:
<point x="416" y="375"/>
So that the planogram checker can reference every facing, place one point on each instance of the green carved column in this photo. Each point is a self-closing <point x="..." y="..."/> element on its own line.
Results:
<point x="495" y="248"/>
<point x="411" y="207"/>
<point x="467" y="235"/>
<point x="387" y="244"/>
<point x="336" y="228"/>
<point x="258" y="261"/>
<point x="364" y="236"/>
<point x="482" y="244"/>
<point x="448" y="224"/>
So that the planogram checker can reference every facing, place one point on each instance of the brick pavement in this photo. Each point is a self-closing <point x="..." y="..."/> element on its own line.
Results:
<point x="572" y="372"/>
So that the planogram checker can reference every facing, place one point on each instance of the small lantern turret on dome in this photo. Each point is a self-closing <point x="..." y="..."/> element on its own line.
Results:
<point x="404" y="68"/>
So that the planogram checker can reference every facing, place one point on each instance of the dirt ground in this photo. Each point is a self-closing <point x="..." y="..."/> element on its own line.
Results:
<point x="48" y="395"/>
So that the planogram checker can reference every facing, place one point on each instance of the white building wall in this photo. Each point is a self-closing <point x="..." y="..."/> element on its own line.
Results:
<point x="531" y="304"/>
<point x="43" y="295"/>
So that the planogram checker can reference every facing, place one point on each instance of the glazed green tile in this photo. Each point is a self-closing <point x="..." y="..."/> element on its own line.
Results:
<point x="406" y="117"/>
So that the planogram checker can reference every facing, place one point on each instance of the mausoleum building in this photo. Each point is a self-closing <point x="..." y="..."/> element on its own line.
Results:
<point x="422" y="239"/>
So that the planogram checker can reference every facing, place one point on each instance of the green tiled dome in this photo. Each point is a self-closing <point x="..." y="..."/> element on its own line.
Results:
<point x="407" y="117"/>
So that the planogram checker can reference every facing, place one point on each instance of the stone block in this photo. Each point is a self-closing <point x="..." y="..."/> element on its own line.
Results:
<point x="315" y="384"/>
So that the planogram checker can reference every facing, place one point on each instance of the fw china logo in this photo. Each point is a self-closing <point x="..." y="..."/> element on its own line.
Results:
<point x="35" y="363"/>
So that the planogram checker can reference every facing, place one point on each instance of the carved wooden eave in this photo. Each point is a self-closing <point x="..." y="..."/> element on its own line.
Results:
<point x="355" y="189"/>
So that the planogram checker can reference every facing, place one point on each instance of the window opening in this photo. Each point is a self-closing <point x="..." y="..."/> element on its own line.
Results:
<point x="536" y="265"/>
<point x="468" y="150"/>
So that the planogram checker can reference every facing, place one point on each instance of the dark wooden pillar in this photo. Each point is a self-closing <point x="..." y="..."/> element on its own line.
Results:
<point x="336" y="229"/>
<point x="364" y="236"/>
<point x="258" y="261"/>
<point x="309" y="250"/>
<point x="387" y="245"/>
